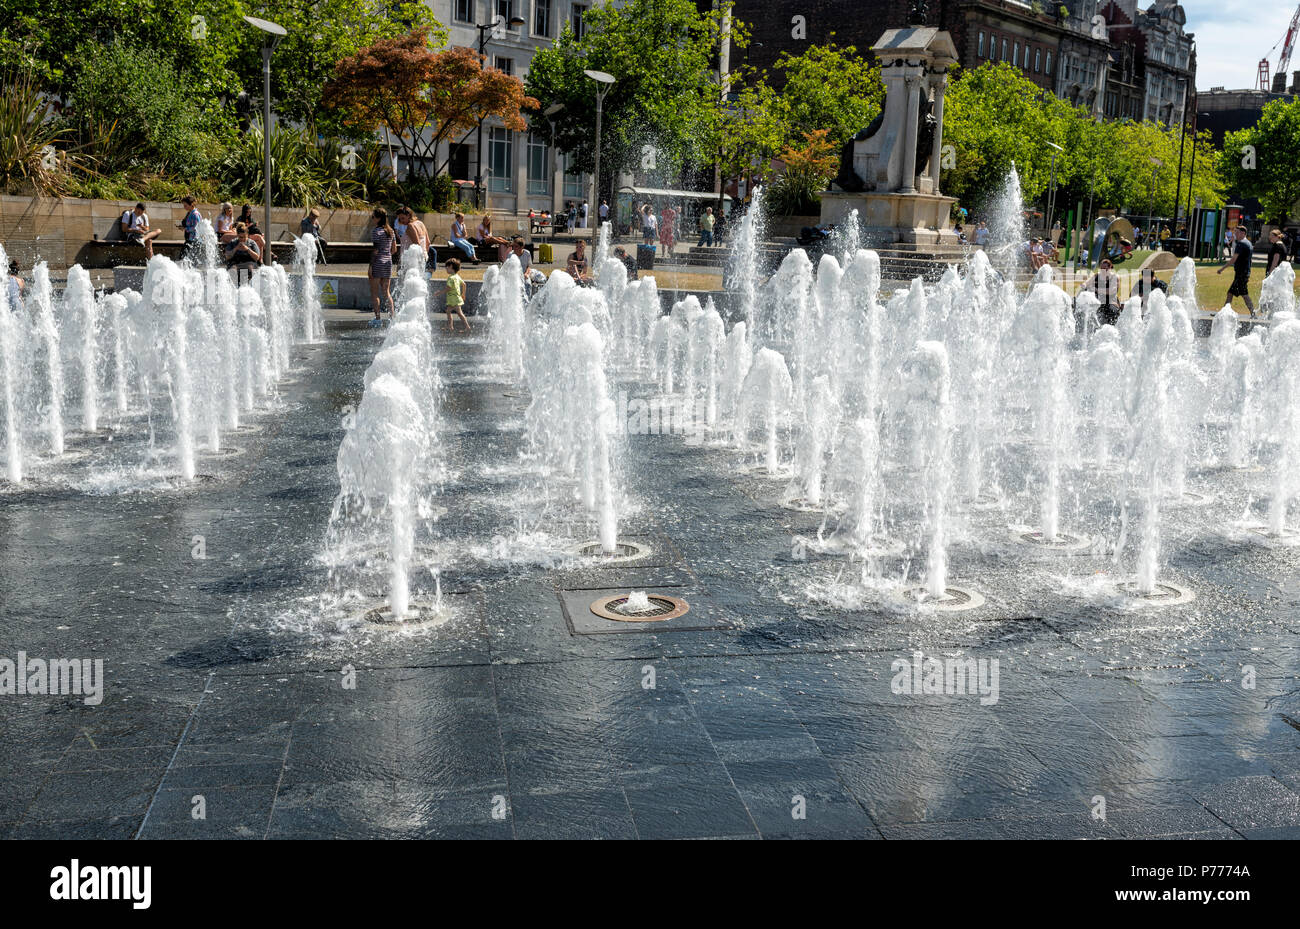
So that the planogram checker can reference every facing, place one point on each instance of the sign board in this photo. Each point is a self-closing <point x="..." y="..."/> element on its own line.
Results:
<point x="329" y="291"/>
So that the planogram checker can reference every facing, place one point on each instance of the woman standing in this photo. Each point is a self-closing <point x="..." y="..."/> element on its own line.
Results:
<point x="383" y="239"/>
<point x="667" y="237"/>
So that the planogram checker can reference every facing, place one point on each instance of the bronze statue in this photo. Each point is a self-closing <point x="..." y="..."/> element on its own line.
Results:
<point x="919" y="14"/>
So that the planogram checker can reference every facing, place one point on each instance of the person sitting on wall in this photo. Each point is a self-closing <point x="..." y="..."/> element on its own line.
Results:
<point x="242" y="254"/>
<point x="135" y="228"/>
<point x="577" y="266"/>
<point x="628" y="261"/>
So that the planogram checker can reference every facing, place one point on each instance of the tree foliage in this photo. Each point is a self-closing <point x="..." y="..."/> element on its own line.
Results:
<point x="666" y="94"/>
<point x="828" y="88"/>
<point x="422" y="96"/>
<point x="995" y="117"/>
<point x="1262" y="160"/>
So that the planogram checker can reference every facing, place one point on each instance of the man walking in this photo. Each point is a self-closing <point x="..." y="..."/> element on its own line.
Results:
<point x="706" y="227"/>
<point x="1240" y="264"/>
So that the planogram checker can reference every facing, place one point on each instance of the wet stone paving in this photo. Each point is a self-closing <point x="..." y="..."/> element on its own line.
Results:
<point x="767" y="711"/>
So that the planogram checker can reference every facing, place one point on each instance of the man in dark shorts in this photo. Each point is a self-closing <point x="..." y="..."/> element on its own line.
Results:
<point x="1242" y="253"/>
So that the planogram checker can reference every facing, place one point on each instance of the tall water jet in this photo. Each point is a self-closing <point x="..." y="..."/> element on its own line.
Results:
<point x="1183" y="285"/>
<point x="311" y="325"/>
<point x="1278" y="292"/>
<point x="928" y="381"/>
<point x="375" y="465"/>
<point x="42" y="302"/>
<point x="744" y="260"/>
<point x="506" y="326"/>
<point x="1150" y="437"/>
<point x="166" y="294"/>
<point x="594" y="411"/>
<point x="1284" y="364"/>
<point x="79" y="300"/>
<point x="736" y="360"/>
<point x="9" y="383"/>
<point x="1106" y="369"/>
<point x="767" y="396"/>
<point x="819" y="417"/>
<point x="1007" y="227"/>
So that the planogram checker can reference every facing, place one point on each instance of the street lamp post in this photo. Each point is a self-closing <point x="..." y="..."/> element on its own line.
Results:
<point x="1182" y="133"/>
<point x="478" y="145"/>
<point x="274" y="34"/>
<point x="603" y="83"/>
<point x="1051" y="200"/>
<point x="1151" y="208"/>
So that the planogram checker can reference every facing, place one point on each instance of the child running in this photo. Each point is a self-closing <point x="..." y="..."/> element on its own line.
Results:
<point x="455" y="295"/>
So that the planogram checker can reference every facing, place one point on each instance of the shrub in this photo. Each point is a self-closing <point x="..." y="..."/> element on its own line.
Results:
<point x="157" y="124"/>
<point x="304" y="171"/>
<point x="30" y="160"/>
<point x="808" y="167"/>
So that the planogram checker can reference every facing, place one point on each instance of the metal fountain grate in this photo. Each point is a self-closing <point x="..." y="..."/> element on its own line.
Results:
<point x="661" y="608"/>
<point x="1163" y="593"/>
<point x="623" y="551"/>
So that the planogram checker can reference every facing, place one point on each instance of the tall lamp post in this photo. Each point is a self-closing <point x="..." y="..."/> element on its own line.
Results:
<point x="1051" y="199"/>
<point x="603" y="83"/>
<point x="274" y="34"/>
<point x="1182" y="133"/>
<point x="483" y="31"/>
<point x="1151" y="208"/>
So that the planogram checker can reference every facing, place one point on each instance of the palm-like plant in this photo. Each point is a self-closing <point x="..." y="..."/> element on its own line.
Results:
<point x="29" y="138"/>
<point x="304" y="171"/>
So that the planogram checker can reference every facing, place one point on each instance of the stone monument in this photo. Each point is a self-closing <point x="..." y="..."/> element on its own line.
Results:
<point x="889" y="172"/>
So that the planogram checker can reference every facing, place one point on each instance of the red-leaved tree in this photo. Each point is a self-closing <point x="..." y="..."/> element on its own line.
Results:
<point x="423" y="96"/>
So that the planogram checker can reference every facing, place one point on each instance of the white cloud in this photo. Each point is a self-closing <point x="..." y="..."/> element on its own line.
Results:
<point x="1233" y="35"/>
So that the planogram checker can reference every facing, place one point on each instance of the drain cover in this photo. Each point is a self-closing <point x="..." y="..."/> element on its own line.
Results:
<point x="1194" y="498"/>
<point x="953" y="598"/>
<point x="660" y="608"/>
<point x="623" y="551"/>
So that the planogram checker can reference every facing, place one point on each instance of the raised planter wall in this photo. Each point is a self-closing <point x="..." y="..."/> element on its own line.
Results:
<point x="36" y="229"/>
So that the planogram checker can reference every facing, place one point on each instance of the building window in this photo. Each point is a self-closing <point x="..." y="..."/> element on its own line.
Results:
<point x="506" y="10"/>
<point x="501" y="160"/>
<point x="464" y="11"/>
<point x="505" y="65"/>
<point x="1049" y="64"/>
<point x="1004" y="49"/>
<point x="573" y="186"/>
<point x="1015" y="55"/>
<point x="1038" y="60"/>
<point x="542" y="18"/>
<point x="576" y="18"/>
<point x="981" y="51"/>
<point x="539" y="168"/>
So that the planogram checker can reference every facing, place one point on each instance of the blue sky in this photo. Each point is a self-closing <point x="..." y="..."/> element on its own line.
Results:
<point x="1233" y="35"/>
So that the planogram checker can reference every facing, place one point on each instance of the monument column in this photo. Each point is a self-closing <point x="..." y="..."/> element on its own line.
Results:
<point x="908" y="180"/>
<point x="940" y="85"/>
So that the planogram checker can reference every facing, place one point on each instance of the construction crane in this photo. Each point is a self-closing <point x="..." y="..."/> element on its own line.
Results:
<point x="1284" y="60"/>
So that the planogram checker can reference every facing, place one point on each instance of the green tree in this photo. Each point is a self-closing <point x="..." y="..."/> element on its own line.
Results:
<point x="828" y="88"/>
<point x="666" y="95"/>
<point x="745" y="133"/>
<point x="1260" y="161"/>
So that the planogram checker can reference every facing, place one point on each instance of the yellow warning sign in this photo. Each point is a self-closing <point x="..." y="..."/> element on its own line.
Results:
<point x="329" y="293"/>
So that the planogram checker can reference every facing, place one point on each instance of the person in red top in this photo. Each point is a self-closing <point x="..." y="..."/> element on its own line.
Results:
<point x="667" y="224"/>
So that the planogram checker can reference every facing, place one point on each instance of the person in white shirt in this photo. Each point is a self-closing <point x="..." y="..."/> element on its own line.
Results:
<point x="981" y="235"/>
<point x="604" y="211"/>
<point x="135" y="228"/>
<point x="525" y="259"/>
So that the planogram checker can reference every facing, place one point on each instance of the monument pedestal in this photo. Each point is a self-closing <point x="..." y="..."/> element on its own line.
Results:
<point x="906" y="218"/>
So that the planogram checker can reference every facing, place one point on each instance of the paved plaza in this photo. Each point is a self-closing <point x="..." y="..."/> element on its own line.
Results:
<point x="767" y="711"/>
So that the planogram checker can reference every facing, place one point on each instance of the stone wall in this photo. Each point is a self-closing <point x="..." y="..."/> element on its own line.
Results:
<point x="36" y="229"/>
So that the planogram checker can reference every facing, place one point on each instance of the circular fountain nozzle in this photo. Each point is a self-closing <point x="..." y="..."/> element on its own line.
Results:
<point x="623" y="551"/>
<point x="418" y="616"/>
<point x="951" y="600"/>
<point x="1162" y="594"/>
<point x="624" y="608"/>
